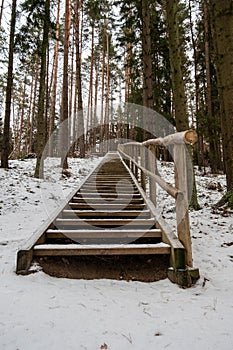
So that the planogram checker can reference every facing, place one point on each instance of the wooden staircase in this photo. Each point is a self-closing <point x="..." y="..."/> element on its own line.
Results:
<point x="104" y="218"/>
<point x="111" y="214"/>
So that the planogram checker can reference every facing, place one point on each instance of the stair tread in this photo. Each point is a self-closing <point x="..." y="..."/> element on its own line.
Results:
<point x="101" y="233"/>
<point x="149" y="221"/>
<point x="103" y="230"/>
<point x="100" y="249"/>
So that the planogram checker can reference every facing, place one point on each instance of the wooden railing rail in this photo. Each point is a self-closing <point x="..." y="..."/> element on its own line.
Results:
<point x="141" y="159"/>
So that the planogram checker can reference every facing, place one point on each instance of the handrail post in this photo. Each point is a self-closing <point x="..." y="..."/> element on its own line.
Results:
<point x="131" y="155"/>
<point x="136" y="160"/>
<point x="182" y="215"/>
<point x="127" y="161"/>
<point x="151" y="167"/>
<point x="143" y="164"/>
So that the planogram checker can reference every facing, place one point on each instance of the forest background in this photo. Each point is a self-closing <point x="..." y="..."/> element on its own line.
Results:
<point x="80" y="61"/>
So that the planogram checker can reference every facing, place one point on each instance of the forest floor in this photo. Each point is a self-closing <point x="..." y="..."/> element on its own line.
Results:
<point x="40" y="311"/>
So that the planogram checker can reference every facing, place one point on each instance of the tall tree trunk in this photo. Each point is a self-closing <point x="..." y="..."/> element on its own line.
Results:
<point x="80" y="117"/>
<point x="71" y="92"/>
<point x="148" y="100"/>
<point x="128" y="71"/>
<point x="200" y="150"/>
<point x="6" y="132"/>
<point x="1" y="12"/>
<point x="54" y="81"/>
<point x="65" y="88"/>
<point x="214" y="152"/>
<point x="178" y="86"/>
<point x="28" y="128"/>
<point x="33" y="112"/>
<point x="222" y="23"/>
<point x="89" y="124"/>
<point x="102" y="128"/>
<point x="23" y="97"/>
<point x="40" y="137"/>
<point x="97" y="68"/>
<point x="107" y="95"/>
<point x="47" y="99"/>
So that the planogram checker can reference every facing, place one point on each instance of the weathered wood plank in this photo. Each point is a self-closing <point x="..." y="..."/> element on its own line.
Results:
<point x="106" y="222"/>
<point x="151" y="167"/>
<point x="108" y="195"/>
<point x="105" y="213"/>
<point x="105" y="206"/>
<point x="182" y="205"/>
<point x="95" y="200"/>
<point x="105" y="189"/>
<point x="100" y="233"/>
<point x="188" y="136"/>
<point x="113" y="249"/>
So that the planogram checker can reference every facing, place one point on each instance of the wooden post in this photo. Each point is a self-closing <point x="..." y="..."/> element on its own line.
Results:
<point x="182" y="215"/>
<point x="143" y="163"/>
<point x="151" y="167"/>
<point x="131" y="155"/>
<point x="24" y="259"/>
<point x="136" y="160"/>
<point x="126" y="150"/>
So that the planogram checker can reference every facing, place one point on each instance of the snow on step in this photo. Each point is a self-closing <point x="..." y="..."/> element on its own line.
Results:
<point x="104" y="233"/>
<point x="100" y="249"/>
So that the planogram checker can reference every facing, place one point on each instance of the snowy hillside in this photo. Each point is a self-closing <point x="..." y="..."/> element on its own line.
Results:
<point x="41" y="312"/>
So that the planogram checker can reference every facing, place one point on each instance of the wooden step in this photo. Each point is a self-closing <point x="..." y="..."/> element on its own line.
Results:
<point x="110" y="179"/>
<point x="100" y="249"/>
<point x="105" y="206"/>
<point x="106" y="213"/>
<point x="100" y="233"/>
<point x="94" y="200"/>
<point x="89" y="194"/>
<point x="129" y="190"/>
<point x="106" y="222"/>
<point x="97" y="177"/>
<point x="110" y="187"/>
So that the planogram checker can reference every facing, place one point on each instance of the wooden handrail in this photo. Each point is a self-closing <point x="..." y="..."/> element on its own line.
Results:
<point x="183" y="137"/>
<point x="172" y="191"/>
<point x="132" y="150"/>
<point x="187" y="137"/>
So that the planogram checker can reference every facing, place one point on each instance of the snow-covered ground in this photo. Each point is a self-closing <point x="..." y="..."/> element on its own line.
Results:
<point x="42" y="312"/>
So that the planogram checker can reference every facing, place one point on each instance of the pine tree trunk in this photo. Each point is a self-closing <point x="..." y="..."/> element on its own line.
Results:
<point x="80" y="117"/>
<point x="128" y="71"/>
<point x="200" y="145"/>
<point x="97" y="68"/>
<point x="70" y="114"/>
<point x="40" y="137"/>
<point x="102" y="127"/>
<point x="178" y="86"/>
<point x="23" y="97"/>
<point x="148" y="100"/>
<point x="213" y="137"/>
<point x="107" y="97"/>
<point x="65" y="109"/>
<point x="89" y="124"/>
<point x="54" y="85"/>
<point x="28" y="128"/>
<point x="222" y="23"/>
<point x="1" y="12"/>
<point x="6" y="131"/>
<point x="31" y="140"/>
